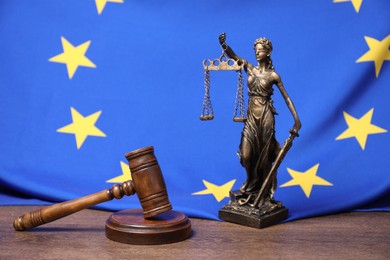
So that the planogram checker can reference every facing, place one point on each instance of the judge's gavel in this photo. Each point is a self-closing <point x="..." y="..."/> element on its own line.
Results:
<point x="147" y="182"/>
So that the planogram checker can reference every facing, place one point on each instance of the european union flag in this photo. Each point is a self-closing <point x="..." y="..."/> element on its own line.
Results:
<point x="84" y="82"/>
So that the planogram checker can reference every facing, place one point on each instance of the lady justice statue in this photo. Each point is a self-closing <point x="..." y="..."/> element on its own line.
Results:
<point x="259" y="151"/>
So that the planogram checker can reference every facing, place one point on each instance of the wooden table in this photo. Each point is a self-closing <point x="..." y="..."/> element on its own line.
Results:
<point x="82" y="236"/>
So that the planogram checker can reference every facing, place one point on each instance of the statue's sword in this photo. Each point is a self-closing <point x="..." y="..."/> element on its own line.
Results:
<point x="286" y="146"/>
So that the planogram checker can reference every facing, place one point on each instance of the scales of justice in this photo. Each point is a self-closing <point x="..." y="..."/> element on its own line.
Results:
<point x="259" y="152"/>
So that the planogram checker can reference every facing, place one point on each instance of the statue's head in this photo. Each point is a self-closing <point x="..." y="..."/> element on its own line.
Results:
<point x="265" y="43"/>
<point x="263" y="49"/>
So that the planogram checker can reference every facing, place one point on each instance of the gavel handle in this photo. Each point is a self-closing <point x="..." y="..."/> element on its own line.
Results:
<point x="60" y="210"/>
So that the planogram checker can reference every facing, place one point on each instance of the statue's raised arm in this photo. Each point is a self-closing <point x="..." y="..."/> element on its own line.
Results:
<point x="229" y="51"/>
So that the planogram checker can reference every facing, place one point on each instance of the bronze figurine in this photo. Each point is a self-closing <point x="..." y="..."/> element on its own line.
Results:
<point x="259" y="151"/>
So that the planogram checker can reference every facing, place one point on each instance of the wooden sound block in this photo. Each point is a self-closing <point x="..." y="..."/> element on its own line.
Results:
<point x="130" y="227"/>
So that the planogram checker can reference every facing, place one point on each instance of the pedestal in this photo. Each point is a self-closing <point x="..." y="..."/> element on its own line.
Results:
<point x="240" y="212"/>
<point x="130" y="227"/>
<point x="255" y="221"/>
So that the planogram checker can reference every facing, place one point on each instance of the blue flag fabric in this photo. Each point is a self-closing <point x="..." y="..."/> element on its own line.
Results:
<point x="84" y="82"/>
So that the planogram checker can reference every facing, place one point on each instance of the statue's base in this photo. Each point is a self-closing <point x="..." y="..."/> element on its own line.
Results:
<point x="130" y="227"/>
<point x="240" y="211"/>
<point x="252" y="220"/>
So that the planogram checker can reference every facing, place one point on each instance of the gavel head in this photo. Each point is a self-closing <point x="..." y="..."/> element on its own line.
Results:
<point x="148" y="181"/>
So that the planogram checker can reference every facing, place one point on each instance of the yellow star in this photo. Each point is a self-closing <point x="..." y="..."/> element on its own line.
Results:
<point x="356" y="3"/>
<point x="82" y="127"/>
<point x="73" y="56"/>
<point x="125" y="174"/>
<point x="378" y="53"/>
<point x="219" y="192"/>
<point x="100" y="4"/>
<point x="306" y="180"/>
<point x="360" y="128"/>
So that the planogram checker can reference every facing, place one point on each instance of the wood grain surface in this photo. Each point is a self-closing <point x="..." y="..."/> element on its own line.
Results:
<point x="82" y="236"/>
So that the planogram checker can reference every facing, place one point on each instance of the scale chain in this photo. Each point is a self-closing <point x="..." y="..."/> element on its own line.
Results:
<point x="239" y="110"/>
<point x="207" y="110"/>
